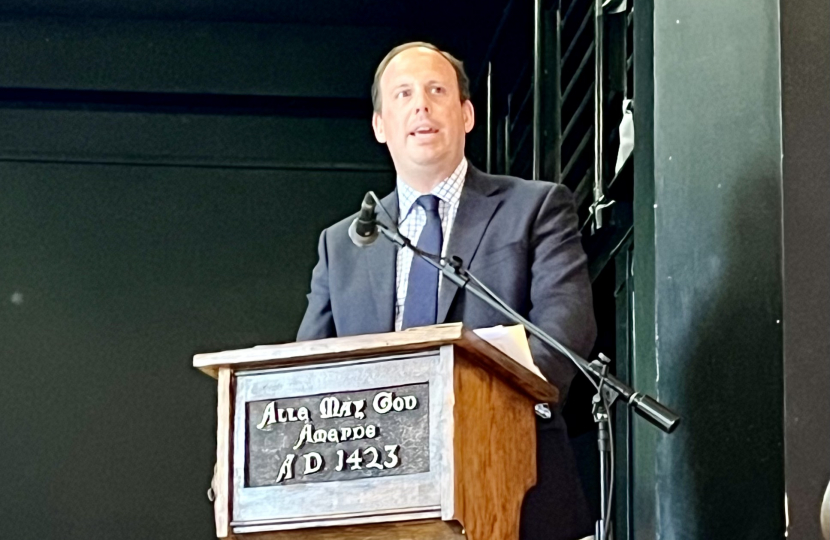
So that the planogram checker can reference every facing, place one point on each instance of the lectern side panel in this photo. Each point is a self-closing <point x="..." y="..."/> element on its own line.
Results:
<point x="222" y="477"/>
<point x="339" y="441"/>
<point x="447" y="432"/>
<point x="496" y="456"/>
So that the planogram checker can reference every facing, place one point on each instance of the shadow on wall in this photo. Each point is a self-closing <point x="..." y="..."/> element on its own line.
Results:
<point x="721" y="367"/>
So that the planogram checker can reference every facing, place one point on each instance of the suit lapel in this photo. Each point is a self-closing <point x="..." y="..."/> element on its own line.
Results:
<point x="479" y="200"/>
<point x="380" y="258"/>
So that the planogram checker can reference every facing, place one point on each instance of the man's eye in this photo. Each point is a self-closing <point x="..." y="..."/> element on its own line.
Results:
<point x="437" y="89"/>
<point x="402" y="93"/>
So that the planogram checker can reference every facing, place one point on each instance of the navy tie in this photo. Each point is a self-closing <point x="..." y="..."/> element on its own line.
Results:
<point x="421" y="304"/>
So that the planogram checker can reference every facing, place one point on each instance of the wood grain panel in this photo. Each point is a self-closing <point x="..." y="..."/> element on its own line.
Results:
<point x="507" y="369"/>
<point x="495" y="451"/>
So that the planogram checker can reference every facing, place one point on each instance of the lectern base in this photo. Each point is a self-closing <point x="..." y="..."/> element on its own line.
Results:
<point x="434" y="529"/>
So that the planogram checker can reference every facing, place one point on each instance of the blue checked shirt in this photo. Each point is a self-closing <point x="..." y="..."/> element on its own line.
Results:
<point x="412" y="220"/>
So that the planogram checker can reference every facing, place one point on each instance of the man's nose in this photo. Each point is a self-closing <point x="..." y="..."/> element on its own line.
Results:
<point x="422" y="103"/>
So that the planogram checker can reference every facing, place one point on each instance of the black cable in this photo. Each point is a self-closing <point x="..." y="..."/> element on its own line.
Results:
<point x="609" y="503"/>
<point x="407" y="242"/>
<point x="606" y="406"/>
<point x="527" y="324"/>
<point x="377" y="202"/>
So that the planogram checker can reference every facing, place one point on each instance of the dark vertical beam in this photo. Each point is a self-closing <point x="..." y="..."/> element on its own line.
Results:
<point x="599" y="111"/>
<point x="708" y="279"/>
<point x="489" y="117"/>
<point x="643" y="372"/>
<point x="623" y="303"/>
<point x="537" y="89"/>
<point x="805" y="71"/>
<point x="551" y="103"/>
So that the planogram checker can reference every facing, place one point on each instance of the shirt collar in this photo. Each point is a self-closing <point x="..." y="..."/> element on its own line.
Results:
<point x="448" y="190"/>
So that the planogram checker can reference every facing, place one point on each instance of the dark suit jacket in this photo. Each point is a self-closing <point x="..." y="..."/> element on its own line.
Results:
<point x="521" y="239"/>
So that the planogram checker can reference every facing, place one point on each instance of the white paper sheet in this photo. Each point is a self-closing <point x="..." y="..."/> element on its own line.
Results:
<point x="512" y="341"/>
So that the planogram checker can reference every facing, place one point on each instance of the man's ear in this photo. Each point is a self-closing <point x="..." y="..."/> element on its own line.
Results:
<point x="377" y="127"/>
<point x="469" y="115"/>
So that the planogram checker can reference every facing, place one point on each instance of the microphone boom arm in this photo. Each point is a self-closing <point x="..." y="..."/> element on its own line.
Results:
<point x="647" y="407"/>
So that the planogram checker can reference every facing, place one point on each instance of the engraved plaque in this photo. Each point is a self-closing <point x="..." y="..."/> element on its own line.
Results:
<point x="338" y="436"/>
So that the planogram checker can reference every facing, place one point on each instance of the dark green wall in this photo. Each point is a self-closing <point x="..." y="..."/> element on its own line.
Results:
<point x="212" y="57"/>
<point x="134" y="234"/>
<point x="112" y="278"/>
<point x="142" y="136"/>
<point x="190" y="56"/>
<point x="707" y="268"/>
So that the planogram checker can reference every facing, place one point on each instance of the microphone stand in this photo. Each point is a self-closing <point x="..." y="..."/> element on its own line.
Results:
<point x="609" y="388"/>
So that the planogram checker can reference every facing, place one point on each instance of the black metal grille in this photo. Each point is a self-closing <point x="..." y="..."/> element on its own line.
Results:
<point x="566" y="112"/>
<point x="567" y="116"/>
<point x="575" y="20"/>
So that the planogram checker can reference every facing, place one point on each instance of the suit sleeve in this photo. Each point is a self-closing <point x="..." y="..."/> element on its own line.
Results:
<point x="560" y="291"/>
<point x="318" y="321"/>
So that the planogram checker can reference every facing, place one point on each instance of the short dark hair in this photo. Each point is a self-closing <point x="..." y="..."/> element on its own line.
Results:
<point x="458" y="66"/>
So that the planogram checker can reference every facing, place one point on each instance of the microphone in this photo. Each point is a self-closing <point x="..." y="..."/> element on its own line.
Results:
<point x="364" y="229"/>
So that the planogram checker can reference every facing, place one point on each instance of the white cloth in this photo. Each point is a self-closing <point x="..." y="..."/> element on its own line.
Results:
<point x="626" y="135"/>
<point x="411" y="221"/>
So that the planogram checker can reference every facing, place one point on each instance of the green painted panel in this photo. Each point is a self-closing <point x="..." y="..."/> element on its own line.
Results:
<point x="708" y="272"/>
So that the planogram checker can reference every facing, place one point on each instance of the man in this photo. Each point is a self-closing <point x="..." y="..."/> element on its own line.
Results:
<point x="520" y="238"/>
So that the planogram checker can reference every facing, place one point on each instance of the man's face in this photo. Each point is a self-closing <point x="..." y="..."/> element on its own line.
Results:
<point x="422" y="120"/>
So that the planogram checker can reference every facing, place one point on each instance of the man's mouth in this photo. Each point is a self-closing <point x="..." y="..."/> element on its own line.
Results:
<point x="423" y="132"/>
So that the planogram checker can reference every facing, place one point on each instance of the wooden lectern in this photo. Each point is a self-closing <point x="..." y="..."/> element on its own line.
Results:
<point x="424" y="434"/>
